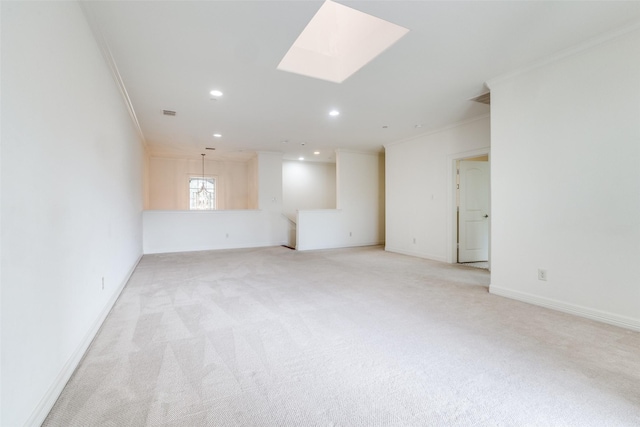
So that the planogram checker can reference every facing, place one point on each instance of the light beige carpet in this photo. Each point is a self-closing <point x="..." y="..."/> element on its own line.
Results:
<point x="352" y="337"/>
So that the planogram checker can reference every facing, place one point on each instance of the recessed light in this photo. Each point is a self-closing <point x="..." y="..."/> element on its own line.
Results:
<point x="301" y="158"/>
<point x="418" y="126"/>
<point x="385" y="127"/>
<point x="217" y="135"/>
<point x="216" y="92"/>
<point x="334" y="113"/>
<point x="316" y="152"/>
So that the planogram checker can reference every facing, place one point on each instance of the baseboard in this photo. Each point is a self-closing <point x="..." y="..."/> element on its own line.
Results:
<point x="586" y="312"/>
<point x="416" y="254"/>
<point x="351" y="245"/>
<point x="218" y="247"/>
<point x="51" y="396"/>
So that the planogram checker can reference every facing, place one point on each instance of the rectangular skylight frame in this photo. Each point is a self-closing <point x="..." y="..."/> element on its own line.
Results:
<point x="339" y="41"/>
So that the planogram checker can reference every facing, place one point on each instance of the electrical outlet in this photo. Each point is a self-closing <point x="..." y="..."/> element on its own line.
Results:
<point x="349" y="234"/>
<point x="227" y="235"/>
<point x="103" y="283"/>
<point x="542" y="274"/>
<point x="414" y="240"/>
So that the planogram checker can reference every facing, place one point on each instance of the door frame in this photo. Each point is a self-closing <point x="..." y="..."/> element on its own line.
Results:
<point x="452" y="235"/>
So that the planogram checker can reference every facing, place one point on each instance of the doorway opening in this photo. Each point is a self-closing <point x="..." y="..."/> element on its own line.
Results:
<point x="472" y="211"/>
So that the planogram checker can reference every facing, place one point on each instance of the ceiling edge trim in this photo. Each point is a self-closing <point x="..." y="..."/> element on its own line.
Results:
<point x="438" y="130"/>
<point x="186" y="157"/>
<point x="356" y="151"/>
<point x="113" y="68"/>
<point x="562" y="54"/>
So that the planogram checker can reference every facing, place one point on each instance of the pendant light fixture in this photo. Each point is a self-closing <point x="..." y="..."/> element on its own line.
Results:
<point x="203" y="196"/>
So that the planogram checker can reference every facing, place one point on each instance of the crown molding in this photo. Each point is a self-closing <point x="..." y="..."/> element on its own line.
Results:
<point x="98" y="35"/>
<point x="355" y="151"/>
<point x="438" y="130"/>
<point x="581" y="47"/>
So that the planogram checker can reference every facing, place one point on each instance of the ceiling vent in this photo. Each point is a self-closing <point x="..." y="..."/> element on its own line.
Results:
<point x="209" y="148"/>
<point x="168" y="113"/>
<point x="485" y="98"/>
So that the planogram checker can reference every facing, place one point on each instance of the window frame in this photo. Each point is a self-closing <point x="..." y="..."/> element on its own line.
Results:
<point x="213" y="179"/>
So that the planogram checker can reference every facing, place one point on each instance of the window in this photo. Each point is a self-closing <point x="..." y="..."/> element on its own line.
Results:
<point x="202" y="193"/>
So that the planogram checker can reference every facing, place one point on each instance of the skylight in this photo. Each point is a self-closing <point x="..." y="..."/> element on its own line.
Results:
<point x="338" y="41"/>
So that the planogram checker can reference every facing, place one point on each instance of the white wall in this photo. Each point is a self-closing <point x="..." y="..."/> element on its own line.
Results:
<point x="252" y="179"/>
<point x="145" y="179"/>
<point x="169" y="182"/>
<point x="307" y="185"/>
<point x="566" y="183"/>
<point x="420" y="194"/>
<point x="359" y="218"/>
<point x="184" y="231"/>
<point x="270" y="181"/>
<point x="71" y="200"/>
<point x="1" y="352"/>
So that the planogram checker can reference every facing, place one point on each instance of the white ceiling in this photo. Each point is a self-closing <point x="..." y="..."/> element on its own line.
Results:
<point x="171" y="54"/>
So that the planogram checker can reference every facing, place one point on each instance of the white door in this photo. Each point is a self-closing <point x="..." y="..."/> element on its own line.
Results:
<point x="473" y="231"/>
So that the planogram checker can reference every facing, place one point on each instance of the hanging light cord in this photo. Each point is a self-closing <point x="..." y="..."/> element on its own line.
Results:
<point x="202" y="170"/>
